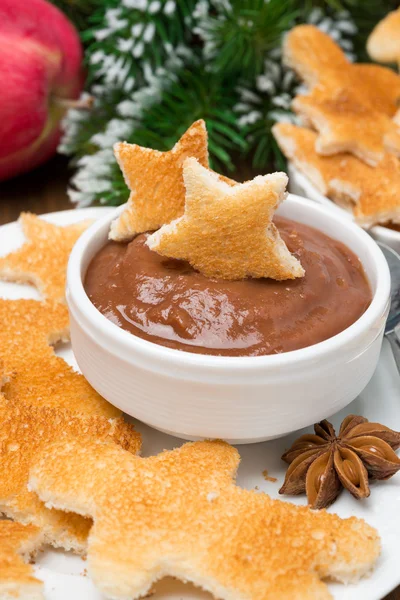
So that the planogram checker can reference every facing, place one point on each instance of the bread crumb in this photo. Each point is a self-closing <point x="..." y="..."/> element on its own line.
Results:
<point x="267" y="477"/>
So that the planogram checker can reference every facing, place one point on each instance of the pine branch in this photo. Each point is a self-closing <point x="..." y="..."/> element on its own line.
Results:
<point x="127" y="37"/>
<point x="190" y="95"/>
<point x="239" y="34"/>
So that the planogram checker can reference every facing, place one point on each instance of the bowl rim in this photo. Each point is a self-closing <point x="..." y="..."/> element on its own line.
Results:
<point x="78" y="300"/>
<point x="379" y="230"/>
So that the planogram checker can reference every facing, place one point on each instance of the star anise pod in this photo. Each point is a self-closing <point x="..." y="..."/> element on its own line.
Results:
<point x="323" y="463"/>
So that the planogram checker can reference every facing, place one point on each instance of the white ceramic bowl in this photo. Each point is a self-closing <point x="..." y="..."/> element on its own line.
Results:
<point x="240" y="399"/>
<point x="301" y="185"/>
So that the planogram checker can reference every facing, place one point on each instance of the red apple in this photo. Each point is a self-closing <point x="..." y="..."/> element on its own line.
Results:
<point x="40" y="71"/>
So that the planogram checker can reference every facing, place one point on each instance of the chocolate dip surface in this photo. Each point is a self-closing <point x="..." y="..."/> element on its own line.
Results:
<point x="165" y="301"/>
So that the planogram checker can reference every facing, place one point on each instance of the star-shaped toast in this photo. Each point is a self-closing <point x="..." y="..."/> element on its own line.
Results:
<point x="25" y="432"/>
<point x="351" y="106"/>
<point x="383" y="44"/>
<point x="42" y="259"/>
<point x="181" y="514"/>
<point x="28" y="331"/>
<point x="155" y="180"/>
<point x="17" y="544"/>
<point x="44" y="399"/>
<point x="226" y="230"/>
<point x="371" y="193"/>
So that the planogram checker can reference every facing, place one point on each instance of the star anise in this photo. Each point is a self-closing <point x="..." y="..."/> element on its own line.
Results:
<point x="323" y="463"/>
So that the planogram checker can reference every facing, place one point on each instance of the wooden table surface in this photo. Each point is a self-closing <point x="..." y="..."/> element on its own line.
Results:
<point x="42" y="191"/>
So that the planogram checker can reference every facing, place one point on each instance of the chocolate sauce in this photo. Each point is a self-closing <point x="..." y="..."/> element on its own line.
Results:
<point x="166" y="302"/>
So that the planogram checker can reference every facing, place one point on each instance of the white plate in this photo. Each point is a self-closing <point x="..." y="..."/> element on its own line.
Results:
<point x="64" y="574"/>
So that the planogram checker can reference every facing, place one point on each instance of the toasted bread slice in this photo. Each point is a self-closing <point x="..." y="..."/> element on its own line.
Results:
<point x="227" y="230"/>
<point x="180" y="514"/>
<point x="383" y="44"/>
<point x="26" y="428"/>
<point x="18" y="543"/>
<point x="369" y="192"/>
<point x="155" y="180"/>
<point x="28" y="331"/>
<point x="351" y="106"/>
<point x="42" y="260"/>
<point x="25" y="432"/>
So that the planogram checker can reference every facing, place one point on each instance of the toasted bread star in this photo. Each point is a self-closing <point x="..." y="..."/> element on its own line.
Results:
<point x="26" y="431"/>
<point x="155" y="180"/>
<point x="181" y="514"/>
<point x="351" y="106"/>
<point x="226" y="230"/>
<point x="17" y="544"/>
<point x="28" y="331"/>
<point x="26" y="428"/>
<point x="42" y="259"/>
<point x="372" y="193"/>
<point x="383" y="44"/>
